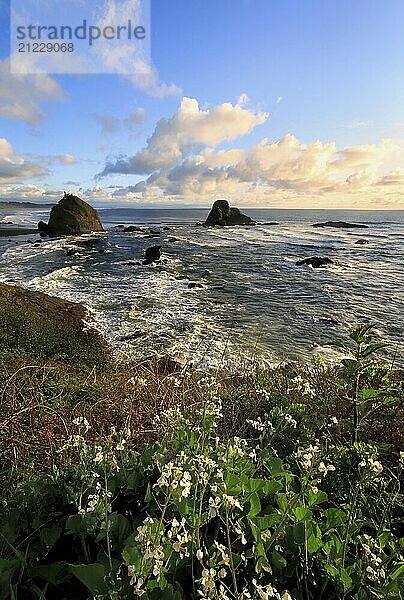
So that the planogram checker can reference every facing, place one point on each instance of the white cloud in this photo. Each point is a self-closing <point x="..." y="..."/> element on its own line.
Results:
<point x="190" y="128"/>
<point x="184" y="161"/>
<point x="21" y="95"/>
<point x="16" y="167"/>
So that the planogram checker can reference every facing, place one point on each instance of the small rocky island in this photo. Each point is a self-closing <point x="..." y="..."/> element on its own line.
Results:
<point x="71" y="216"/>
<point x="341" y="225"/>
<point x="221" y="214"/>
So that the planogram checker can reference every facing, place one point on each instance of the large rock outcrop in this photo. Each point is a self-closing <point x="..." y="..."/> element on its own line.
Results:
<point x="71" y="216"/>
<point x="221" y="214"/>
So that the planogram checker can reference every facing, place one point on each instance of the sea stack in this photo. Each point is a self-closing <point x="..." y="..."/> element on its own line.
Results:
<point x="221" y="214"/>
<point x="71" y="216"/>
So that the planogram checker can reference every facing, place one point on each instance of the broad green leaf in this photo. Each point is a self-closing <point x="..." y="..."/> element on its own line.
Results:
<point x="92" y="576"/>
<point x="255" y="505"/>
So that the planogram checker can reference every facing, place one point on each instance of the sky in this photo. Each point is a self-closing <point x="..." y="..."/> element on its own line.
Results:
<point x="267" y="103"/>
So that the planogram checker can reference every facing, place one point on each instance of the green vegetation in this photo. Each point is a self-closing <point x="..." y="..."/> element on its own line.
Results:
<point x="126" y="481"/>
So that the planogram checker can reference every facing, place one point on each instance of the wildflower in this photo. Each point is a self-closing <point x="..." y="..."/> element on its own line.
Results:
<point x="208" y="579"/>
<point x="376" y="466"/>
<point x="99" y="457"/>
<point x="199" y="555"/>
<point x="292" y="422"/>
<point x="82" y="422"/>
<point x="214" y="504"/>
<point x="231" y="502"/>
<point x="121" y="445"/>
<point x="324" y="469"/>
<point x="334" y="420"/>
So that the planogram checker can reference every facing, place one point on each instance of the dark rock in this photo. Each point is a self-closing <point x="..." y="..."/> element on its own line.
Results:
<point x="166" y="228"/>
<point x="101" y="251"/>
<point x="71" y="252"/>
<point x="341" y="225"/>
<point x="90" y="242"/>
<point x="132" y="336"/>
<point x="221" y="214"/>
<point x="194" y="284"/>
<point x="173" y="239"/>
<point x="315" y="261"/>
<point x="131" y="228"/>
<point x="362" y="241"/>
<point x="329" y="322"/>
<point x="43" y="227"/>
<point x="152" y="254"/>
<point x="270" y="223"/>
<point x="72" y="216"/>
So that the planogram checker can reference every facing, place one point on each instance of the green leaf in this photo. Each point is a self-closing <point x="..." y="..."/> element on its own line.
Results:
<point x="318" y="498"/>
<point x="371" y="349"/>
<point x="255" y="505"/>
<point x="74" y="523"/>
<point x="55" y="573"/>
<point x="302" y="513"/>
<point x="334" y="517"/>
<point x="120" y="529"/>
<point x="49" y="536"/>
<point x="397" y="573"/>
<point x="92" y="576"/>
<point x="278" y="560"/>
<point x="345" y="578"/>
<point x="299" y="533"/>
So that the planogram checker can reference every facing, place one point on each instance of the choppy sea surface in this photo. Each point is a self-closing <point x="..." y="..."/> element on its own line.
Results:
<point x="250" y="299"/>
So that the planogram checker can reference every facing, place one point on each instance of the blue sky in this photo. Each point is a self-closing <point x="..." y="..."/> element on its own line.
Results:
<point x="323" y="70"/>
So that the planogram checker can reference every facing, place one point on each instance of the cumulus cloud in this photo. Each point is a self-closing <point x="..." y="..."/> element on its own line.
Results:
<point x="188" y="158"/>
<point x="189" y="129"/>
<point x="16" y="167"/>
<point x="30" y="193"/>
<point x="21" y="95"/>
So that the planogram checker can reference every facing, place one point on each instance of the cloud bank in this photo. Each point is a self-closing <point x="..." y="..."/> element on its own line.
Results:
<point x="182" y="159"/>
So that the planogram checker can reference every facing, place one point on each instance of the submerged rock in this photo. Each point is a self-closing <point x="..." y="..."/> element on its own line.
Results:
<point x="194" y="284"/>
<point x="315" y="261"/>
<point x="341" y="225"/>
<point x="222" y="214"/>
<point x="71" y="216"/>
<point x="130" y="229"/>
<point x="362" y="241"/>
<point x="152" y="254"/>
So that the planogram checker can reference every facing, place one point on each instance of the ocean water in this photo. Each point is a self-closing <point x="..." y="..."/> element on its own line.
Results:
<point x="251" y="300"/>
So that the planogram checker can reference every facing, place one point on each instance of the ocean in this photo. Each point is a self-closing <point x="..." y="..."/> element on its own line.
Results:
<point x="223" y="295"/>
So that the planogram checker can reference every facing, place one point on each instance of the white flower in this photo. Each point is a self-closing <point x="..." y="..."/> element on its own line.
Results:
<point x="292" y="422"/>
<point x="376" y="466"/>
<point x="199" y="555"/>
<point x="324" y="469"/>
<point x="214" y="504"/>
<point x="99" y="457"/>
